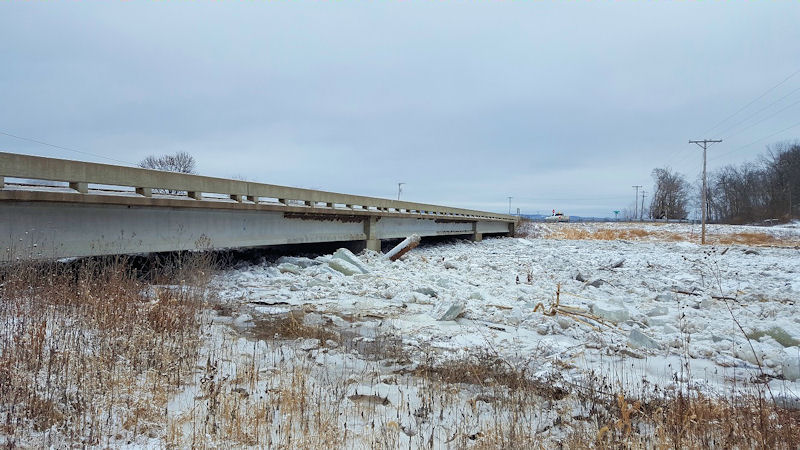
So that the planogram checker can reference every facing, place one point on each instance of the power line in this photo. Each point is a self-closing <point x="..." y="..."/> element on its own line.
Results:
<point x="762" y="120"/>
<point x="756" y="141"/>
<point x="674" y="156"/>
<point x="64" y="148"/>
<point x="753" y="101"/>
<point x="759" y="111"/>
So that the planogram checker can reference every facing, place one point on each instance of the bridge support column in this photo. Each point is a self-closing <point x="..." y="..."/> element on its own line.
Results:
<point x="372" y="242"/>
<point x="145" y="192"/>
<point x="512" y="228"/>
<point x="476" y="237"/>
<point x="253" y="198"/>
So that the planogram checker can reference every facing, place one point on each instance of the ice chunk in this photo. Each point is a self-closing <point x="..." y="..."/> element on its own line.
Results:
<point x="344" y="267"/>
<point x="403" y="247"/>
<point x="427" y="291"/>
<point x="666" y="297"/>
<point x="637" y="339"/>
<point x="791" y="367"/>
<point x="289" y="268"/>
<point x="448" y="310"/>
<point x="451" y="265"/>
<point x="299" y="261"/>
<point x="309" y="344"/>
<point x="658" y="311"/>
<point x="778" y="333"/>
<point x="244" y="320"/>
<point x="346" y="255"/>
<point x="597" y="283"/>
<point x="611" y="312"/>
<point x="476" y="296"/>
<point x="654" y="321"/>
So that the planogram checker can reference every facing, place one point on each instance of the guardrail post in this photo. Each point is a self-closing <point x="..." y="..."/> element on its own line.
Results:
<point x="253" y="198"/>
<point x="2" y="182"/>
<point x="195" y="195"/>
<point x="83" y="188"/>
<point x="237" y="197"/>
<point x="308" y="203"/>
<point x="283" y="201"/>
<point x="145" y="192"/>
<point x="329" y="205"/>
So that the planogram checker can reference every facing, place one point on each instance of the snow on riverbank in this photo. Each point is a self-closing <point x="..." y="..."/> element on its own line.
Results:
<point x="658" y="304"/>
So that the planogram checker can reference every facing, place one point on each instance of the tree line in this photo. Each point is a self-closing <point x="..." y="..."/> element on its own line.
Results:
<point x="765" y="189"/>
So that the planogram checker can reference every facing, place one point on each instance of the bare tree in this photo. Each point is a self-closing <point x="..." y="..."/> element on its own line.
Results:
<point x="670" y="195"/>
<point x="755" y="191"/>
<point x="179" y="162"/>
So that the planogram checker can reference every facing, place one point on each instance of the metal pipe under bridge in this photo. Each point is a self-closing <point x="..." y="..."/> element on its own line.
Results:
<point x="100" y="209"/>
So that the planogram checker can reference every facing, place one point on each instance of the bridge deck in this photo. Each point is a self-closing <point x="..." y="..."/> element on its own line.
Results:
<point x="104" y="209"/>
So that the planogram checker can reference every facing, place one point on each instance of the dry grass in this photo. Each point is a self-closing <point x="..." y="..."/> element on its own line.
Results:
<point x="630" y="234"/>
<point x="752" y="239"/>
<point x="695" y="421"/>
<point x="636" y="234"/>
<point x="89" y="353"/>
<point x="292" y="326"/>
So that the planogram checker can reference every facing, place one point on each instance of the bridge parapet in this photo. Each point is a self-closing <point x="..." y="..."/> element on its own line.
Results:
<point x="144" y="182"/>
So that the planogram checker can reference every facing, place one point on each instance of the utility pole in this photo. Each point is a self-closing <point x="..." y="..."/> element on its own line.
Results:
<point x="641" y="211"/>
<point x="509" y="205"/>
<point x="704" y="144"/>
<point x="636" y="201"/>
<point x="399" y="190"/>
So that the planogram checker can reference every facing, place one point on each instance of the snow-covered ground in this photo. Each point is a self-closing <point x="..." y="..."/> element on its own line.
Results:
<point x="662" y="311"/>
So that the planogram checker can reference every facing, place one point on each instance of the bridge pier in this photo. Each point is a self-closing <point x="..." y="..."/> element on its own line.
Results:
<point x="370" y="231"/>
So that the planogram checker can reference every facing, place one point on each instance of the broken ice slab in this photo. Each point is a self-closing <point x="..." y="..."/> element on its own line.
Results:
<point x="346" y="255"/>
<point x="448" y="310"/>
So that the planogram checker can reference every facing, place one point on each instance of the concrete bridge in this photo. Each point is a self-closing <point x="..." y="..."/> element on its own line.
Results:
<point x="100" y="209"/>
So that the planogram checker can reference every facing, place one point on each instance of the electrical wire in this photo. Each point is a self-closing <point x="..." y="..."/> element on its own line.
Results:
<point x="751" y="102"/>
<point x="757" y="112"/>
<point x="762" y="120"/>
<point x="65" y="148"/>
<point x="754" y="142"/>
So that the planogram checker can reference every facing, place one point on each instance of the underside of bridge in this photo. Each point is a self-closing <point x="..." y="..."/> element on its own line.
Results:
<point x="59" y="229"/>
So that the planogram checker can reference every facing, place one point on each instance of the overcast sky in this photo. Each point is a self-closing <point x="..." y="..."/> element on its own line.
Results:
<point x="562" y="105"/>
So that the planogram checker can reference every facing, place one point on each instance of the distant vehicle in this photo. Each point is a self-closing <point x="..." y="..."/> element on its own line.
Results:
<point x="557" y="217"/>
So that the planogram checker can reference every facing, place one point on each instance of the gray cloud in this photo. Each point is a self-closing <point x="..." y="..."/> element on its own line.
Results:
<point x="560" y="104"/>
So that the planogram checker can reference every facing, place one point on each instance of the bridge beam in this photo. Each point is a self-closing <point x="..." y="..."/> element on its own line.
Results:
<point x="52" y="229"/>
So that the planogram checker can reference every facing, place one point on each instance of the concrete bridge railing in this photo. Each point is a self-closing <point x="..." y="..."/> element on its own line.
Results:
<point x="80" y="175"/>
